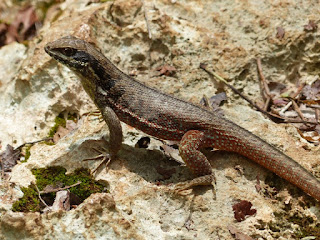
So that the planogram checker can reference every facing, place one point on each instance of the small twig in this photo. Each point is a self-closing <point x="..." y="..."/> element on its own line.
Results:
<point x="94" y="113"/>
<point x="314" y="106"/>
<point x="39" y="194"/>
<point x="269" y="114"/>
<point x="146" y="18"/>
<point x="34" y="142"/>
<point x="316" y="112"/>
<point x="2" y="168"/>
<point x="266" y="104"/>
<point x="294" y="95"/>
<point x="285" y="108"/>
<point x="287" y="120"/>
<point x="238" y="92"/>
<point x="59" y="189"/>
<point x="265" y="85"/>
<point x="297" y="109"/>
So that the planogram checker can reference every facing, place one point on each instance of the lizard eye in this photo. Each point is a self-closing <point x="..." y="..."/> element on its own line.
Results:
<point x="68" y="51"/>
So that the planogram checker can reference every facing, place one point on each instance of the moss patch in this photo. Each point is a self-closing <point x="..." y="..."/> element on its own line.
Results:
<point x="59" y="121"/>
<point x="29" y="202"/>
<point x="56" y="177"/>
<point x="27" y="153"/>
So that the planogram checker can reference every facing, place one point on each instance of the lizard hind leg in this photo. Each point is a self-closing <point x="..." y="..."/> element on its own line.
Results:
<point x="189" y="148"/>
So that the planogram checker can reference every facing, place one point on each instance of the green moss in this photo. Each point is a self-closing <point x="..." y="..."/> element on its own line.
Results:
<point x="50" y="143"/>
<point x="55" y="176"/>
<point x="27" y="153"/>
<point x="59" y="121"/>
<point x="29" y="202"/>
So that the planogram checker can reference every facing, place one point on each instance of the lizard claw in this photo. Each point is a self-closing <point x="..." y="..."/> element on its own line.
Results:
<point x="103" y="155"/>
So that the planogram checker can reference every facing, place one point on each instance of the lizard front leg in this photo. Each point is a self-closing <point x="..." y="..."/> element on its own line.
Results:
<point x="189" y="148"/>
<point x="115" y="130"/>
<point x="115" y="136"/>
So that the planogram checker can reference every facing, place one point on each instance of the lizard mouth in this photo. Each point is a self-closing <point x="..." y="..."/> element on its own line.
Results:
<point x="57" y="54"/>
<point x="49" y="50"/>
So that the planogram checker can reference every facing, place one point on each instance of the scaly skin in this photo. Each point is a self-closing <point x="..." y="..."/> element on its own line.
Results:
<point x="120" y="97"/>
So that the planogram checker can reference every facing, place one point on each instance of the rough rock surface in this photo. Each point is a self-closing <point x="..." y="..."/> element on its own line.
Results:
<point x="226" y="35"/>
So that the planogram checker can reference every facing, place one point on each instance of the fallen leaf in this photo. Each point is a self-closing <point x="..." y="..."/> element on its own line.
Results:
<point x="311" y="91"/>
<point x="62" y="201"/>
<point x="215" y="101"/>
<point x="9" y="158"/>
<point x="279" y="102"/>
<point x="311" y="26"/>
<point x="280" y="33"/>
<point x="63" y="131"/>
<point x="242" y="209"/>
<point x="3" y="32"/>
<point x="312" y="136"/>
<point x="51" y="188"/>
<point x="23" y="27"/>
<point x="258" y="185"/>
<point x="60" y="133"/>
<point x="172" y="151"/>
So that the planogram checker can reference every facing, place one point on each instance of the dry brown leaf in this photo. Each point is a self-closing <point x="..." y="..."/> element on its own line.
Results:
<point x="311" y="102"/>
<point x="312" y="92"/>
<point x="312" y="136"/>
<point x="311" y="26"/>
<point x="3" y="32"/>
<point x="9" y="158"/>
<point x="215" y="101"/>
<point x="63" y="131"/>
<point x="172" y="152"/>
<point x="242" y="209"/>
<point x="22" y="28"/>
<point x="280" y="33"/>
<point x="62" y="201"/>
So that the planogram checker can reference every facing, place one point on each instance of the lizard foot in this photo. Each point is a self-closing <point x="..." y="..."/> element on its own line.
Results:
<point x="202" y="180"/>
<point x="103" y="155"/>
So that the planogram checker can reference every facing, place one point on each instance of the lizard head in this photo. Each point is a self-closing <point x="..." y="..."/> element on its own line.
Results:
<point x="86" y="61"/>
<point x="81" y="57"/>
<point x="70" y="51"/>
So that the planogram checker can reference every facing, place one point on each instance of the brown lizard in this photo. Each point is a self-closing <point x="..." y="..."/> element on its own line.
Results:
<point x="119" y="97"/>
